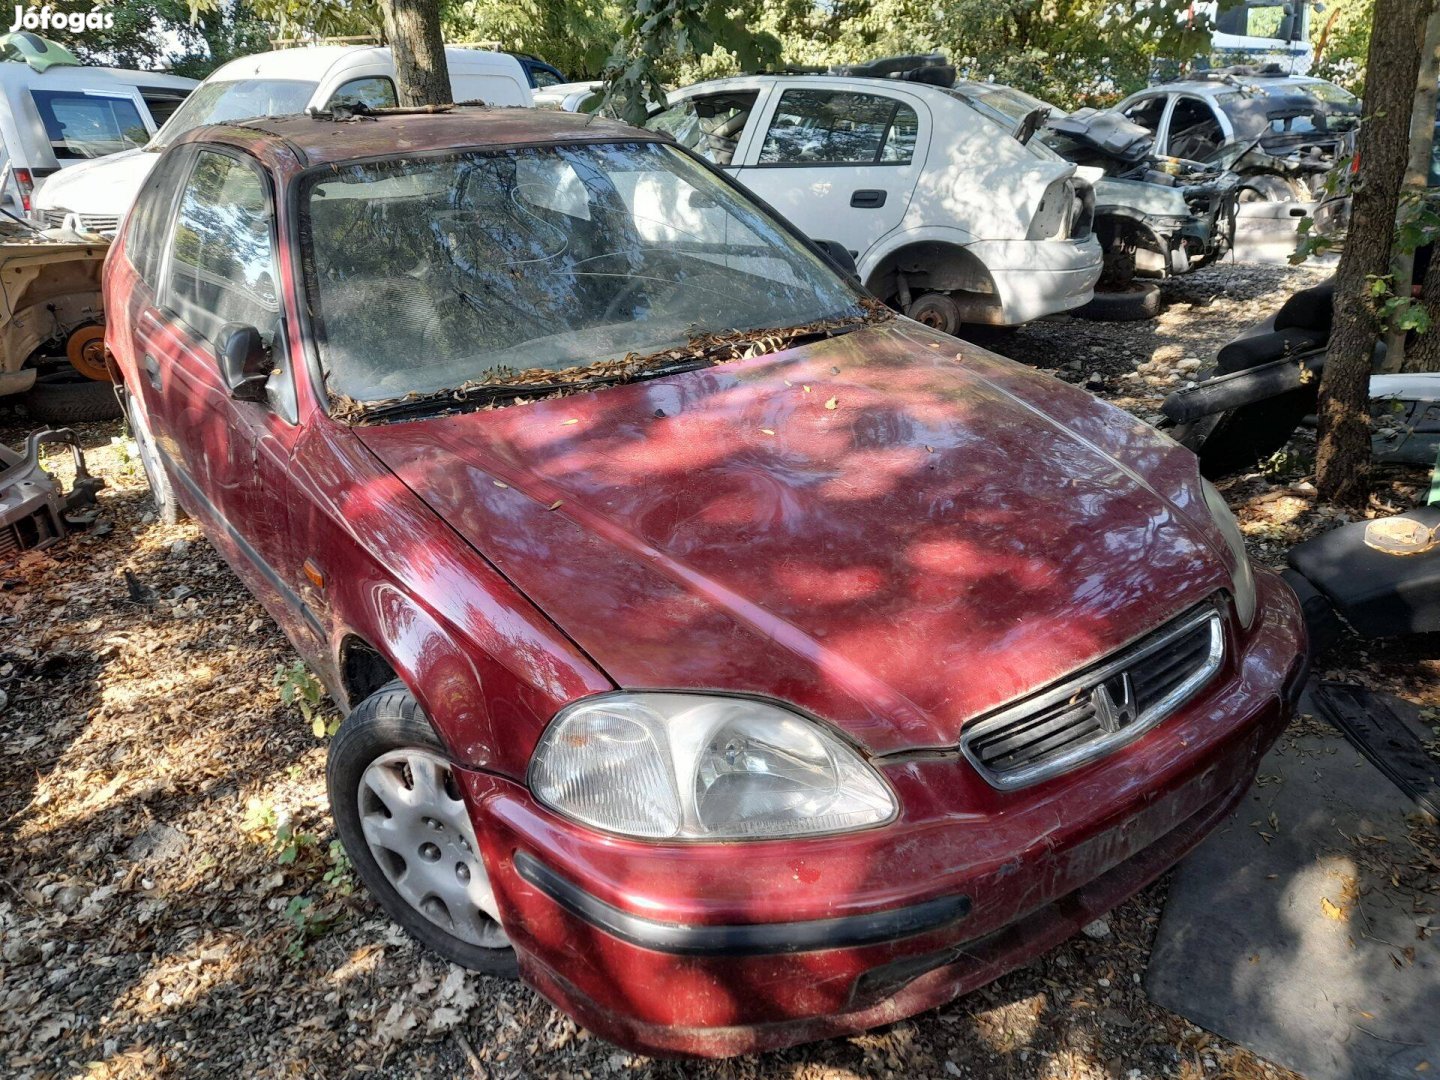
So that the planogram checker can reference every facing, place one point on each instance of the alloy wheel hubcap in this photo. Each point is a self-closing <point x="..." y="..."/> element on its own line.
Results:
<point x="420" y="834"/>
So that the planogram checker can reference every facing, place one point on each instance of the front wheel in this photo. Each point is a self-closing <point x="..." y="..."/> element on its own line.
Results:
<point x="937" y="310"/>
<point x="398" y="808"/>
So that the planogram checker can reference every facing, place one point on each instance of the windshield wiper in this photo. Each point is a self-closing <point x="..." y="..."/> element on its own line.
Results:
<point x="480" y="395"/>
<point x="708" y="356"/>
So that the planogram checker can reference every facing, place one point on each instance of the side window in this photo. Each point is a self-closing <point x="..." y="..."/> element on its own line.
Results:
<point x="1195" y="131"/>
<point x="81" y="125"/>
<point x="149" y="222"/>
<point x="711" y="126"/>
<point x="222" y="259"/>
<point x="1146" y="112"/>
<point x="545" y="78"/>
<point x="376" y="92"/>
<point x="839" y="127"/>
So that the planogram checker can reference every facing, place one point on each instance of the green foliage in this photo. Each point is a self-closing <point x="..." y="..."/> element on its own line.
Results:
<point x="161" y="34"/>
<point x="300" y="688"/>
<point x="576" y="38"/>
<point x="1344" y="45"/>
<point x="310" y="916"/>
<point x="1396" y="314"/>
<point x="340" y="878"/>
<point x="657" y="35"/>
<point x="307" y="19"/>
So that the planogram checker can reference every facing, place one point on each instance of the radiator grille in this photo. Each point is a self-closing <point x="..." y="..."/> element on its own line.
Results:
<point x="1102" y="708"/>
<point x="55" y="219"/>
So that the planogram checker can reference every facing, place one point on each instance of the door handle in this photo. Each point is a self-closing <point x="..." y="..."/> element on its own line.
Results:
<point x="867" y="199"/>
<point x="152" y="370"/>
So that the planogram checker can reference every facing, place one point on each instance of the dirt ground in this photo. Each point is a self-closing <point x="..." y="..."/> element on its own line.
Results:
<point x="172" y="902"/>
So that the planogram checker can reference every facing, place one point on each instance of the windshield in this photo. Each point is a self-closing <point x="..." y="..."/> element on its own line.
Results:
<point x="1306" y="109"/>
<point x="492" y="267"/>
<point x="218" y="102"/>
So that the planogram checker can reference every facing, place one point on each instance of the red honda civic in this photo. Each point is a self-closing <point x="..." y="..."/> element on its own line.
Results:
<point x="739" y="663"/>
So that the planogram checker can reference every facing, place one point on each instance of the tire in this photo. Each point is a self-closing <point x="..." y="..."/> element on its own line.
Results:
<point x="386" y="746"/>
<point x="937" y="310"/>
<point x="71" y="401"/>
<point x="1133" y="305"/>
<point x="167" y="507"/>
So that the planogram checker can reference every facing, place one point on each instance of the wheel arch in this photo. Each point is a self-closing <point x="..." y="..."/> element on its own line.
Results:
<point x="929" y="264"/>
<point x="388" y="636"/>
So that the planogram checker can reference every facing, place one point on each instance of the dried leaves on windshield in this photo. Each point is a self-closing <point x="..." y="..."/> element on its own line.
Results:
<point x="715" y="348"/>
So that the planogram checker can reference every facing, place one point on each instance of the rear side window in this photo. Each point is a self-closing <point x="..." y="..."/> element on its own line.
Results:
<point x="222" y="265"/>
<point x="711" y="126"/>
<point x="837" y="127"/>
<point x="376" y="92"/>
<point x="148" y="226"/>
<point x="81" y="125"/>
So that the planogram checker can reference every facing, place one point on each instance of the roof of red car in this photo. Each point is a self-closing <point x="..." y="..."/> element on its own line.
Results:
<point x="324" y="141"/>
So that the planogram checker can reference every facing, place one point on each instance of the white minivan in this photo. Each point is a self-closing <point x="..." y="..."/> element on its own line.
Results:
<point x="65" y="116"/>
<point x="271" y="84"/>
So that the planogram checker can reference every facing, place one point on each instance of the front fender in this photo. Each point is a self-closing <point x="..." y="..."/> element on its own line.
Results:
<point x="489" y="668"/>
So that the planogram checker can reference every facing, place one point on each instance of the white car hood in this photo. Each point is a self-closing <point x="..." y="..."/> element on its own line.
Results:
<point x="104" y="187"/>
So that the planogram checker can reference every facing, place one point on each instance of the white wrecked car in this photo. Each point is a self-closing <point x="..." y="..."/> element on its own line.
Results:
<point x="948" y="216"/>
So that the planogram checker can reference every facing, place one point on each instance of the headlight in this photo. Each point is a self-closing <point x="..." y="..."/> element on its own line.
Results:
<point x="691" y="767"/>
<point x="1242" y="575"/>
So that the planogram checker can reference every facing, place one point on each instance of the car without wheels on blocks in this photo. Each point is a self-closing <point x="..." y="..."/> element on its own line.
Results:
<point x="738" y="661"/>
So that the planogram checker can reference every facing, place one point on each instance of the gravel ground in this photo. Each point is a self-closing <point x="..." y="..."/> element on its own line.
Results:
<point x="172" y="904"/>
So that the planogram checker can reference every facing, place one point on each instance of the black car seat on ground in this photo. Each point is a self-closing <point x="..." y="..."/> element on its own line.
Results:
<point x="1379" y="595"/>
<point x="1236" y="439"/>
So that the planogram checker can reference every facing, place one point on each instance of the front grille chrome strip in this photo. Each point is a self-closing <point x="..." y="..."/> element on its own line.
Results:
<point x="1079" y="687"/>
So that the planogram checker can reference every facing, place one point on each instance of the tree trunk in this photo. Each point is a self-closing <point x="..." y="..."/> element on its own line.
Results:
<point x="1424" y="355"/>
<point x="1417" y="174"/>
<point x="1342" y="466"/>
<point x="421" y="75"/>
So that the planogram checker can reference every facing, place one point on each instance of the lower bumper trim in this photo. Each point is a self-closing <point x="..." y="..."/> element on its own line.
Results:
<point x="750" y="939"/>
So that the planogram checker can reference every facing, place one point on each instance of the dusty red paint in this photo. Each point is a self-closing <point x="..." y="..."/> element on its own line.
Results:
<point x="957" y="531"/>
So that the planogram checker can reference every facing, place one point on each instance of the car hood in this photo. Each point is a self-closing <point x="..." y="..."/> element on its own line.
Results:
<point x="104" y="187"/>
<point x="891" y="529"/>
<point x="1106" y="132"/>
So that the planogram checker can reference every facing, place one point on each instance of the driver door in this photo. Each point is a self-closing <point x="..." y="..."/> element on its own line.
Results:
<point x="232" y="457"/>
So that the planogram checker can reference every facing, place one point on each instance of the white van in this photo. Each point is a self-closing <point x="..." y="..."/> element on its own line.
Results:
<point x="65" y="116"/>
<point x="271" y="84"/>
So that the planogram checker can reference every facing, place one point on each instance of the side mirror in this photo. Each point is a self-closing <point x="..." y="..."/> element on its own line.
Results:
<point x="840" y="257"/>
<point x="244" y="361"/>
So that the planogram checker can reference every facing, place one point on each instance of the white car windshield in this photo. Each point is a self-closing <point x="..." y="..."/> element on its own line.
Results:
<point x="432" y="274"/>
<point x="237" y="99"/>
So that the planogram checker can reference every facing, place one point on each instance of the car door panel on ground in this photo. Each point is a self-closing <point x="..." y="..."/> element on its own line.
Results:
<point x="230" y="457"/>
<point x="811" y="144"/>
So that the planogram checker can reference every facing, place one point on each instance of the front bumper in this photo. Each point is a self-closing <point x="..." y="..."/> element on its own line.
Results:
<point x="718" y="949"/>
<point x="1035" y="278"/>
